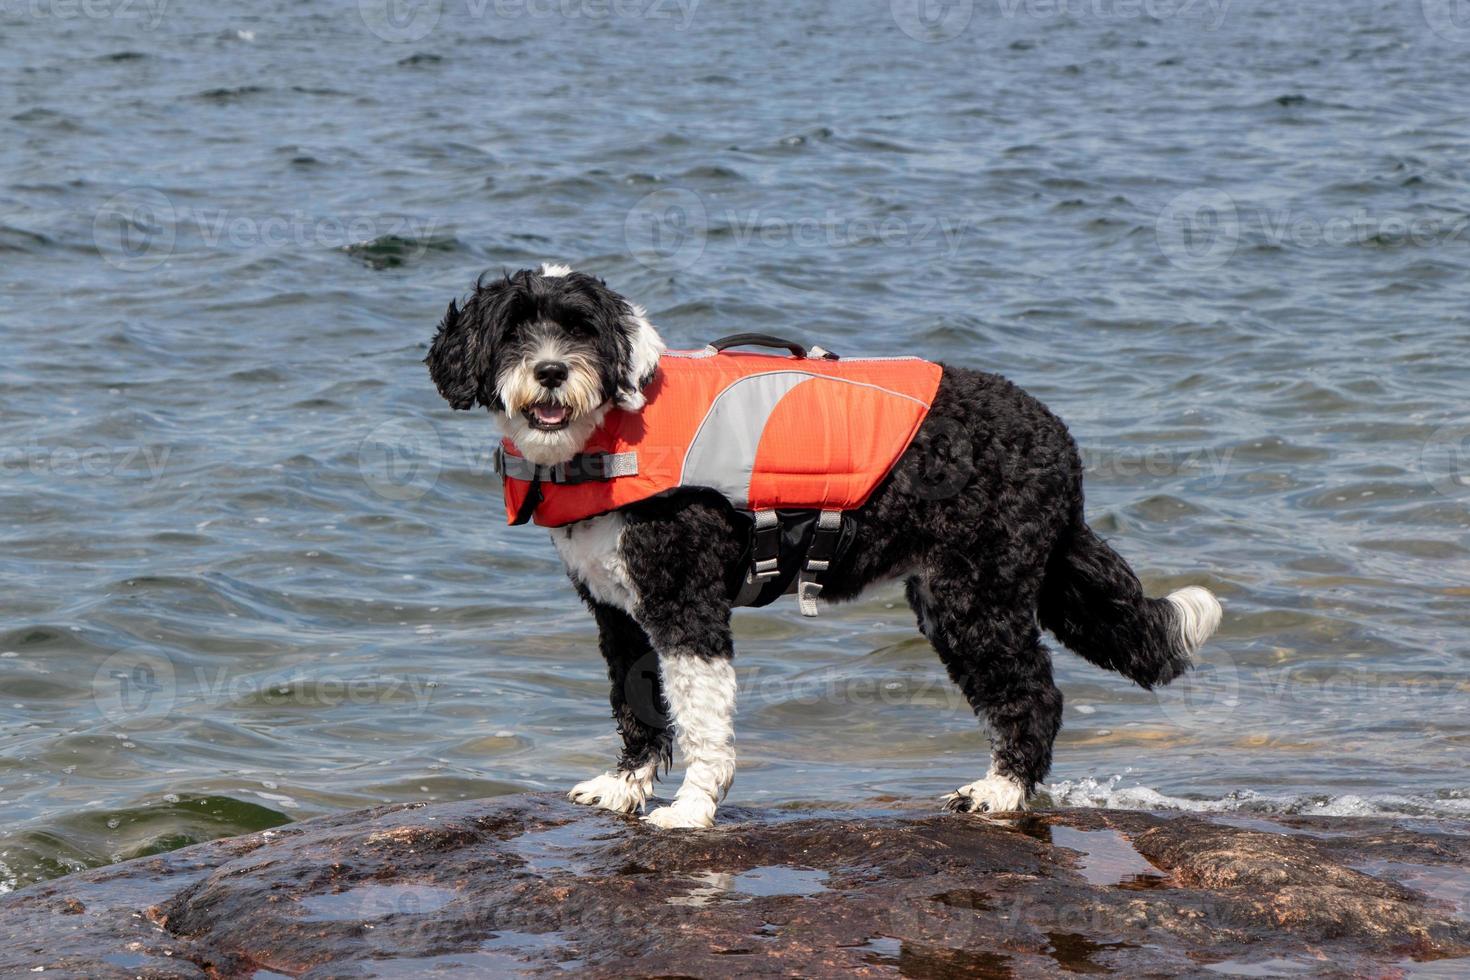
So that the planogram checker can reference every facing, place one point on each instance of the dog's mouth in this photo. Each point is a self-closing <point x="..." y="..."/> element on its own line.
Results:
<point x="548" y="417"/>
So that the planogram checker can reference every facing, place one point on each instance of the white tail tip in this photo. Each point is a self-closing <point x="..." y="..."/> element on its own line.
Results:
<point x="1199" y="616"/>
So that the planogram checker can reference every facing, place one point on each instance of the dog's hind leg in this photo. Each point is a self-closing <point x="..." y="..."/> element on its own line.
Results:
<point x="637" y="708"/>
<point x="984" y="630"/>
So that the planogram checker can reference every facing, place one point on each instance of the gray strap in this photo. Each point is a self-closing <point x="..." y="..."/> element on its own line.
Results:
<point x="582" y="469"/>
<point x="619" y="464"/>
<point x="515" y="467"/>
<point x="750" y="590"/>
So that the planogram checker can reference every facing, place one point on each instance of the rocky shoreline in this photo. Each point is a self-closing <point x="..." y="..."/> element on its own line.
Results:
<point x="532" y="885"/>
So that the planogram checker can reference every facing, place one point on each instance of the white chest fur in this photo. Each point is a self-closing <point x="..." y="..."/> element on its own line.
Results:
<point x="592" y="551"/>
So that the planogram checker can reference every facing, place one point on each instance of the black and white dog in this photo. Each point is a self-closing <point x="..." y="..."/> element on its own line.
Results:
<point x="1001" y="555"/>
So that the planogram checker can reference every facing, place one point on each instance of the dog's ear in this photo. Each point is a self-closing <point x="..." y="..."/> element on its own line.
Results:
<point x="462" y="357"/>
<point x="457" y="359"/>
<point x="640" y="362"/>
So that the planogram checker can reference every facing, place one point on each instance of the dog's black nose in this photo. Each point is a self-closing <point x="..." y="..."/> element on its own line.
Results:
<point x="551" y="374"/>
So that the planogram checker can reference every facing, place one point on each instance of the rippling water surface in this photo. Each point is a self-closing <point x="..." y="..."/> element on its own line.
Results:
<point x="254" y="570"/>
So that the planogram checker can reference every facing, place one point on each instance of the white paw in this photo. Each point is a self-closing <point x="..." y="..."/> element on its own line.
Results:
<point x="688" y="814"/>
<point x="620" y="792"/>
<point x="993" y="794"/>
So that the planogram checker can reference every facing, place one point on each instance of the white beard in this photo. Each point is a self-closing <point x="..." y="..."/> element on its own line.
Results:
<point x="550" y="448"/>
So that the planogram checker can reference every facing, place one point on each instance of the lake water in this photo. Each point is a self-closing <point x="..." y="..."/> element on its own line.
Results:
<point x="254" y="569"/>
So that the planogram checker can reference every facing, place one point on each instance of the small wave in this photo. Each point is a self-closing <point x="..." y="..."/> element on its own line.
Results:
<point x="1109" y="795"/>
<point x="235" y="93"/>
<point x="14" y="239"/>
<point x="393" y="251"/>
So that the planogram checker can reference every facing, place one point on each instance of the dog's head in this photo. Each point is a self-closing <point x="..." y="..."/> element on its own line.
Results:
<point x="548" y="352"/>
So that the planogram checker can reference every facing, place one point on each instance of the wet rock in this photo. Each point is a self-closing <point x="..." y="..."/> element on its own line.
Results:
<point x="531" y="884"/>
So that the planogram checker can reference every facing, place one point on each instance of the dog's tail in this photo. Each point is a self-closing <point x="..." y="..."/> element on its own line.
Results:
<point x="1095" y="605"/>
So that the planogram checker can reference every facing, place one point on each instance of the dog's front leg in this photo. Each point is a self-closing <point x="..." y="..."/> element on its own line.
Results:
<point x="637" y="707"/>
<point x="678" y="566"/>
<point x="699" y="687"/>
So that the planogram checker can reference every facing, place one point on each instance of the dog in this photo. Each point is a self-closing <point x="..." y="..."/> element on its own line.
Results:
<point x="1001" y="554"/>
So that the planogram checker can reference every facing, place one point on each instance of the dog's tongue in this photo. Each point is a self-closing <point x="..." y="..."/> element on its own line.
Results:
<point x="550" y="414"/>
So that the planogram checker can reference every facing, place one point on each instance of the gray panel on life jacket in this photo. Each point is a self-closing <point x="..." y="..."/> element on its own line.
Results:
<point x="722" y="453"/>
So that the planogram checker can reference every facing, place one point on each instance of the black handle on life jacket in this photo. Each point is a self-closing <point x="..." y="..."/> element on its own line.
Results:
<point x="765" y="340"/>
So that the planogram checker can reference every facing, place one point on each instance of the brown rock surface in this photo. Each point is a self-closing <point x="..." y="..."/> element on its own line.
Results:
<point x="531" y="884"/>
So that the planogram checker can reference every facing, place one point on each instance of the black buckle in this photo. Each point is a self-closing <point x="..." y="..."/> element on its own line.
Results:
<point x="583" y="468"/>
<point x="824" y="544"/>
<point x="765" y="552"/>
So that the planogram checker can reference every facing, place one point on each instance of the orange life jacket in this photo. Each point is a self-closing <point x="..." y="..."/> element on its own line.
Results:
<point x="767" y="431"/>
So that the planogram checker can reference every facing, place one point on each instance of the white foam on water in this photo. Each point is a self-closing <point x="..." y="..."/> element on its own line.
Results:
<point x="1109" y="795"/>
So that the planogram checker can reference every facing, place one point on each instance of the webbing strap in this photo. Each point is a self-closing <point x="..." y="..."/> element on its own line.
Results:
<point x="765" y="556"/>
<point x="579" y="469"/>
<point x="818" y="560"/>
